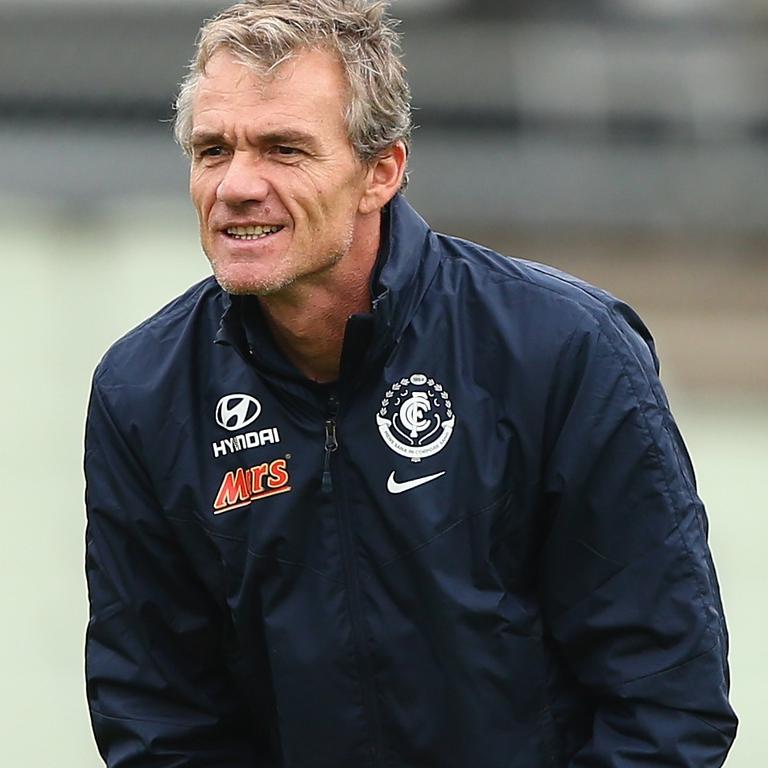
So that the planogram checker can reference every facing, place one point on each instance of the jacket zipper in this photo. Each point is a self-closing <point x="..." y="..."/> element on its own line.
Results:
<point x="331" y="445"/>
<point x="352" y="579"/>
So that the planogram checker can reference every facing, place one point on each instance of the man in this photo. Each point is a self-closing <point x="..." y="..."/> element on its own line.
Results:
<point x="376" y="496"/>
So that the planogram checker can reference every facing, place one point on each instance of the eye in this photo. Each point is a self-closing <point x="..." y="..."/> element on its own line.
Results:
<point x="209" y="154"/>
<point x="286" y="151"/>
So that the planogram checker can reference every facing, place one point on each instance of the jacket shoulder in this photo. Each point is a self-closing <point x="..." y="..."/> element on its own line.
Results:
<point x="196" y="311"/>
<point x="523" y="276"/>
<point x="563" y="304"/>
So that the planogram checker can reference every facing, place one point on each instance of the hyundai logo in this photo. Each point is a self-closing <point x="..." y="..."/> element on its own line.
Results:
<point x="237" y="411"/>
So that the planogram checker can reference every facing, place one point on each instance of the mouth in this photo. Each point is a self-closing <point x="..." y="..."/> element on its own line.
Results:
<point x="253" y="232"/>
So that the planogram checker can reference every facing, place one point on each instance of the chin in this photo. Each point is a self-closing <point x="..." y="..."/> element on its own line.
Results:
<point x="238" y="284"/>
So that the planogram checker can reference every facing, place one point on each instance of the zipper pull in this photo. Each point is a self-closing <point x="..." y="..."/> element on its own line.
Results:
<point x="331" y="445"/>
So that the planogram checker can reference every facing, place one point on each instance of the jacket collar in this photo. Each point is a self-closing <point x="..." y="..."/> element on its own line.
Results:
<point x="406" y="265"/>
<point x="408" y="260"/>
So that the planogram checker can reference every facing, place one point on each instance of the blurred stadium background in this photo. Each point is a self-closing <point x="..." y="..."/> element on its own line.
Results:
<point x="625" y="141"/>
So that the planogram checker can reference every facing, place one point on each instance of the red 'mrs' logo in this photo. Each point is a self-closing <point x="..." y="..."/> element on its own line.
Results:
<point x="243" y="486"/>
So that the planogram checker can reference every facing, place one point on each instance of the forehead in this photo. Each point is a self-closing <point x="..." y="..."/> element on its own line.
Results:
<point x="310" y="88"/>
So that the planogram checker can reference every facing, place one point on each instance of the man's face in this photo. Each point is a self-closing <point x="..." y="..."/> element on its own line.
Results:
<point x="274" y="178"/>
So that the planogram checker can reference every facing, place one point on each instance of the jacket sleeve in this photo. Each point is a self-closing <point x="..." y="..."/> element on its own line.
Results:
<point x="629" y="589"/>
<point x="158" y="692"/>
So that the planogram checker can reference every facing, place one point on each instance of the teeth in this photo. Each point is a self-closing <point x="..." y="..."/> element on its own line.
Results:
<point x="252" y="232"/>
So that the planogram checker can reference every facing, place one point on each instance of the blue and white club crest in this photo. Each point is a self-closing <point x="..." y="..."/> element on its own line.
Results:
<point x="416" y="418"/>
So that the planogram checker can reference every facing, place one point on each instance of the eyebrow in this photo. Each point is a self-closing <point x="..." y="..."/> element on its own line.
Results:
<point x="203" y="136"/>
<point x="288" y="136"/>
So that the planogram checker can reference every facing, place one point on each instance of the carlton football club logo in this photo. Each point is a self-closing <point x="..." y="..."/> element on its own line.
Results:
<point x="416" y="418"/>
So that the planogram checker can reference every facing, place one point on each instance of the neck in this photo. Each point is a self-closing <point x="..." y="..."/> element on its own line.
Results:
<point x="308" y="320"/>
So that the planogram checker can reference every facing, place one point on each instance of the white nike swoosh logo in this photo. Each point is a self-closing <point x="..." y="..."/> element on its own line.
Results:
<point x="394" y="487"/>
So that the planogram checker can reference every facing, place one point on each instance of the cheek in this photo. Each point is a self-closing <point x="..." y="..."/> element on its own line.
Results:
<point x="202" y="191"/>
<point x="323" y="191"/>
<point x="196" y="197"/>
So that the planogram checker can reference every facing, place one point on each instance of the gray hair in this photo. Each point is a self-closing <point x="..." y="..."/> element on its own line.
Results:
<point x="263" y="34"/>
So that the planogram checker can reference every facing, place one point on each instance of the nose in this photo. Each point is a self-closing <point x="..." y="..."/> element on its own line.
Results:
<point x="243" y="182"/>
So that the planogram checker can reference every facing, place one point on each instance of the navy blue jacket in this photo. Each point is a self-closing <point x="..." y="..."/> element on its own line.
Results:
<point x="482" y="548"/>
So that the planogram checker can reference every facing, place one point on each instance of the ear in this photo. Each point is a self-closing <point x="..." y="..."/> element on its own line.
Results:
<point x="384" y="178"/>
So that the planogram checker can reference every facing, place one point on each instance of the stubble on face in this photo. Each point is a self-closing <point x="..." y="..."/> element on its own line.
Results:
<point x="239" y="280"/>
